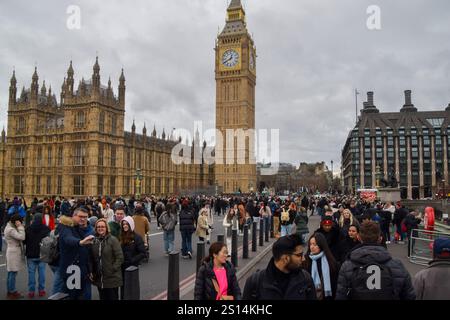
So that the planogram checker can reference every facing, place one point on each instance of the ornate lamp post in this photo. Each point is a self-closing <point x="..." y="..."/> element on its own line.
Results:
<point x="138" y="178"/>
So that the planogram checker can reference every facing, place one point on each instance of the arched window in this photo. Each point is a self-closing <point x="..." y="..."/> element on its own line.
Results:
<point x="80" y="119"/>
<point x="101" y="122"/>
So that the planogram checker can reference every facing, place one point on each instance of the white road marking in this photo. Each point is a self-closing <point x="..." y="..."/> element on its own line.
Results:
<point x="156" y="234"/>
<point x="2" y="265"/>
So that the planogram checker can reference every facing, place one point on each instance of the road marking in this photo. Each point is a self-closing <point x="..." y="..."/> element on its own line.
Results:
<point x="191" y="279"/>
<point x="156" y="234"/>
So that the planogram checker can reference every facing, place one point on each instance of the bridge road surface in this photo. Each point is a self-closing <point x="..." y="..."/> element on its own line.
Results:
<point x="153" y="275"/>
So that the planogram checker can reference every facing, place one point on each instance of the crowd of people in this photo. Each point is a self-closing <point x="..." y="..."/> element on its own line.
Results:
<point x="102" y="237"/>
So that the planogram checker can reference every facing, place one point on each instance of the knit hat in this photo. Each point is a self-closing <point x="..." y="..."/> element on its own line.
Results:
<point x="441" y="247"/>
<point x="327" y="221"/>
<point x="130" y="222"/>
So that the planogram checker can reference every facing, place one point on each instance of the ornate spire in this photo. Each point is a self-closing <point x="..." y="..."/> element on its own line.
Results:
<point x="13" y="79"/>
<point x="163" y="136"/>
<point x="70" y="70"/>
<point x="96" y="66"/>
<point x="35" y="75"/>
<point x="34" y="85"/>
<point x="43" y="89"/>
<point x="133" y="127"/>
<point x="154" y="131"/>
<point x="122" y="77"/>
<point x="235" y="4"/>
<point x="109" y="83"/>
<point x="144" y="131"/>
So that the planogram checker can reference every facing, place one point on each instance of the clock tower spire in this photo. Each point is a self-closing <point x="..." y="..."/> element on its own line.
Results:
<point x="235" y="75"/>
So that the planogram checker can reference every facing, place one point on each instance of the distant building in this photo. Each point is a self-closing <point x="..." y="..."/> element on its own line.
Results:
<point x="410" y="148"/>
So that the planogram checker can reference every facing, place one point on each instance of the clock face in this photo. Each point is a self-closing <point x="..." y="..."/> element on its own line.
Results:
<point x="230" y="58"/>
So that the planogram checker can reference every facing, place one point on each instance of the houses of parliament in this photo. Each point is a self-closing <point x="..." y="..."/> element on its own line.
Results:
<point x="78" y="146"/>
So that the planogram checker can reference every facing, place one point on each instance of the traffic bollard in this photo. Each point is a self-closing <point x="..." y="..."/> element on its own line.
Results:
<point x="254" y="237"/>
<point x="173" y="287"/>
<point x="234" y="248"/>
<point x="200" y="253"/>
<point x="221" y="238"/>
<point x="261" y="232"/>
<point x="245" y="244"/>
<point x="131" y="288"/>
<point x="267" y="228"/>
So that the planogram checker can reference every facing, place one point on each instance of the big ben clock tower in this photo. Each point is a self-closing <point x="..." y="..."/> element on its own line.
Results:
<point x="235" y="103"/>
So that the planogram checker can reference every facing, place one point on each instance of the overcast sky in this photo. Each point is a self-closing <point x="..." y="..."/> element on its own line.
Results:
<point x="311" y="56"/>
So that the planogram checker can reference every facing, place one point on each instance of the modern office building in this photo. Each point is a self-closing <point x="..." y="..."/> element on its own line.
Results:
<point x="409" y="148"/>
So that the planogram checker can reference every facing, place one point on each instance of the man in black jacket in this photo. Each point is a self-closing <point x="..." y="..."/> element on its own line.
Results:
<point x="375" y="261"/>
<point x="283" y="279"/>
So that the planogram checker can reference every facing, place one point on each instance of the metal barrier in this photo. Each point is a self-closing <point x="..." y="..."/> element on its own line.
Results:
<point x="421" y="245"/>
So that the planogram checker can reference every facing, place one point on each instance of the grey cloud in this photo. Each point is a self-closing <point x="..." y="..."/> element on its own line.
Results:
<point x="311" y="56"/>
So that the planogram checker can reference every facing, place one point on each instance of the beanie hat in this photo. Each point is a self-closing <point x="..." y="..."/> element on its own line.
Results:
<point x="130" y="222"/>
<point x="327" y="221"/>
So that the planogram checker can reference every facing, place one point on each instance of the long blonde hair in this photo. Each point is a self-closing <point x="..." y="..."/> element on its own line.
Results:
<point x="341" y="218"/>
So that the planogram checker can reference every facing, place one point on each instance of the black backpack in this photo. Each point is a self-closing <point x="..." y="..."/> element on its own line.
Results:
<point x="372" y="282"/>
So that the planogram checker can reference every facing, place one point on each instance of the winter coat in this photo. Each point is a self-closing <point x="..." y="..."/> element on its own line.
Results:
<point x="106" y="262"/>
<point x="333" y="278"/>
<point x="187" y="221"/>
<point x="262" y="286"/>
<point x="17" y="209"/>
<point x="292" y="215"/>
<point x="370" y="253"/>
<point x="432" y="283"/>
<point x="51" y="221"/>
<point x="346" y="245"/>
<point x="134" y="252"/>
<point x="333" y="238"/>
<point x="301" y="221"/>
<point x="168" y="221"/>
<point x="70" y="250"/>
<point x="34" y="235"/>
<point x="114" y="229"/>
<point x="411" y="223"/>
<point x="141" y="226"/>
<point x="202" y="226"/>
<point x="13" y="238"/>
<point x="204" y="287"/>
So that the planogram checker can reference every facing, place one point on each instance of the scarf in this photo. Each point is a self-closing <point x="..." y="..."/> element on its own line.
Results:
<point x="325" y="272"/>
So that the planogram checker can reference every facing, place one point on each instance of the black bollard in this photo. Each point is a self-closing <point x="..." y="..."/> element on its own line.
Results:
<point x="267" y="228"/>
<point x="221" y="238"/>
<point x="245" y="244"/>
<point x="261" y="232"/>
<point x="254" y="237"/>
<point x="272" y="235"/>
<point x="234" y="248"/>
<point x="200" y="253"/>
<point x="131" y="288"/>
<point x="173" y="287"/>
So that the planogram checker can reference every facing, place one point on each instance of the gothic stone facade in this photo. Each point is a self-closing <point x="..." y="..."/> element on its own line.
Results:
<point x="79" y="148"/>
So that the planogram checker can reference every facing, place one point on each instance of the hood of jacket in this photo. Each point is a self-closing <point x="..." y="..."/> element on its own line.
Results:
<point x="66" y="221"/>
<point x="370" y="253"/>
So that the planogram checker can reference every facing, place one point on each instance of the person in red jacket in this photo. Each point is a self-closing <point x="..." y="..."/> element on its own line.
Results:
<point x="48" y="218"/>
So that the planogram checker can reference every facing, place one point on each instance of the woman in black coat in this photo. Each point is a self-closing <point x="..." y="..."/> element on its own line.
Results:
<point x="133" y="247"/>
<point x="349" y="242"/>
<point x="216" y="278"/>
<point x="318" y="261"/>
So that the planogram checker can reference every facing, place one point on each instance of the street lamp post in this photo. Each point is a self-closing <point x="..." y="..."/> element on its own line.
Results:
<point x="138" y="178"/>
<point x="378" y="173"/>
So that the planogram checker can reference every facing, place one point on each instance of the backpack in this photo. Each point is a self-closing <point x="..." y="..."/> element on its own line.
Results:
<point x="285" y="216"/>
<point x="49" y="249"/>
<point x="366" y="286"/>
